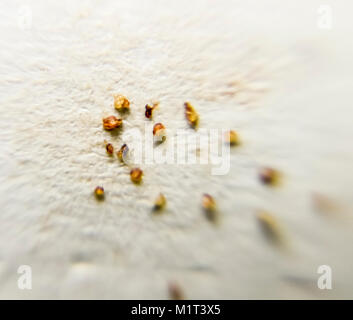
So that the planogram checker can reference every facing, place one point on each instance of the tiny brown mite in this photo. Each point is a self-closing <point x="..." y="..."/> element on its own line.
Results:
<point x="268" y="176"/>
<point x="121" y="103"/>
<point x="136" y="175"/>
<point x="191" y="115"/>
<point x="175" y="292"/>
<point x="269" y="226"/>
<point x="110" y="149"/>
<point x="149" y="110"/>
<point x="232" y="138"/>
<point x="160" y="202"/>
<point x="99" y="192"/>
<point x="111" y="123"/>
<point x="208" y="202"/>
<point x="122" y="153"/>
<point x="159" y="131"/>
<point x="209" y="206"/>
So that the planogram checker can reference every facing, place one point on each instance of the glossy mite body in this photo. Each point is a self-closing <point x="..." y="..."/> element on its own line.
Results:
<point x="149" y="110"/>
<point x="159" y="131"/>
<point x="268" y="176"/>
<point x="136" y="175"/>
<point x="111" y="122"/>
<point x="110" y="149"/>
<point x="208" y="202"/>
<point x="122" y="153"/>
<point x="191" y="115"/>
<point x="232" y="138"/>
<point x="160" y="202"/>
<point x="99" y="193"/>
<point x="121" y="103"/>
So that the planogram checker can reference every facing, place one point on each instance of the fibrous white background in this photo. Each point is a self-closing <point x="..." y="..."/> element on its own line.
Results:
<point x="263" y="68"/>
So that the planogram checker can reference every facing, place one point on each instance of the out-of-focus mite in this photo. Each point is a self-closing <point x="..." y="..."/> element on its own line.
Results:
<point x="209" y="207"/>
<point x="160" y="202"/>
<point x="191" y="115"/>
<point x="232" y="138"/>
<point x="99" y="193"/>
<point x="268" y="176"/>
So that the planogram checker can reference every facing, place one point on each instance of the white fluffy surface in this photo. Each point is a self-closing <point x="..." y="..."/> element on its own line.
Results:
<point x="260" y="67"/>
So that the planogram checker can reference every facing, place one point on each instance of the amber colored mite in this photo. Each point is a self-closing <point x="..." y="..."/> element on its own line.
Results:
<point x="208" y="202"/>
<point x="149" y="110"/>
<point x="175" y="291"/>
<point x="121" y="102"/>
<point x="110" y="149"/>
<point x="111" y="123"/>
<point x="159" y="131"/>
<point x="121" y="154"/>
<point x="209" y="206"/>
<point x="232" y="138"/>
<point x="157" y="127"/>
<point x="136" y="175"/>
<point x="160" y="202"/>
<point x="268" y="176"/>
<point x="191" y="114"/>
<point x="99" y="192"/>
<point x="269" y="226"/>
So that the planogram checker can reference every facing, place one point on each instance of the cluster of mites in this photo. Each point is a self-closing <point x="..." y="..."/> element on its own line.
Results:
<point x="267" y="176"/>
